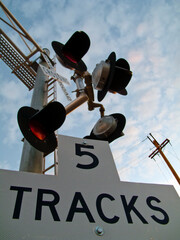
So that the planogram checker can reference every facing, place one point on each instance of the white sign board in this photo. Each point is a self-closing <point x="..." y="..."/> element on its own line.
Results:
<point x="52" y="73"/>
<point x="64" y="90"/>
<point x="85" y="201"/>
<point x="47" y="60"/>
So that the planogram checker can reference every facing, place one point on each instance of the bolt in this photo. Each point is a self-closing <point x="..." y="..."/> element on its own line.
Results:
<point x="99" y="231"/>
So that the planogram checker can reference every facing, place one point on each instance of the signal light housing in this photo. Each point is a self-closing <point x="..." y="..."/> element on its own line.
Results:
<point x="112" y="76"/>
<point x="108" y="128"/>
<point x="38" y="126"/>
<point x="70" y="54"/>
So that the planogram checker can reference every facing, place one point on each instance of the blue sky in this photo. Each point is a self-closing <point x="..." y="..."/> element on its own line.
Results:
<point x="146" y="33"/>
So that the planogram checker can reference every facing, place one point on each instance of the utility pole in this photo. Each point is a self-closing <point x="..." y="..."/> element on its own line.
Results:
<point x="159" y="150"/>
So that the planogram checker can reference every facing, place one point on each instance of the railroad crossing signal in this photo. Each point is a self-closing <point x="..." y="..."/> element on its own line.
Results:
<point x="109" y="75"/>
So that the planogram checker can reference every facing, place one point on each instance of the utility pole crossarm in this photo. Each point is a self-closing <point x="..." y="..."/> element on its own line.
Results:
<point x="163" y="144"/>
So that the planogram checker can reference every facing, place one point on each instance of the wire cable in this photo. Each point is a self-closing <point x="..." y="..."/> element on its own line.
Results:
<point x="175" y="154"/>
<point x="134" y="162"/>
<point x="161" y="171"/>
<point x="131" y="148"/>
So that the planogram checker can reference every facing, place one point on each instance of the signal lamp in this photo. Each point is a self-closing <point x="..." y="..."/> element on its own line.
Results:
<point x="70" y="54"/>
<point x="38" y="126"/>
<point x="112" y="76"/>
<point x="108" y="128"/>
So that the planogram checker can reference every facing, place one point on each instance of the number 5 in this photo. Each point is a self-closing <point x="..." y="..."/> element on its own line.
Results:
<point x="80" y="153"/>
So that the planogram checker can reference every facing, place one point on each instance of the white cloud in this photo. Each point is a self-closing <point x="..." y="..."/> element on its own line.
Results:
<point x="11" y="91"/>
<point x="148" y="104"/>
<point x="136" y="57"/>
<point x="142" y="29"/>
<point x="31" y="9"/>
<point x="12" y="97"/>
<point x="5" y="165"/>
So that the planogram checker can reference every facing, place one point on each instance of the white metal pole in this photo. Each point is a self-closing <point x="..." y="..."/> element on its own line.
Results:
<point x="32" y="159"/>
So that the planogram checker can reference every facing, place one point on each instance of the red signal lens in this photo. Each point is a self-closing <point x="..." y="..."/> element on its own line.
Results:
<point x="37" y="129"/>
<point x="69" y="56"/>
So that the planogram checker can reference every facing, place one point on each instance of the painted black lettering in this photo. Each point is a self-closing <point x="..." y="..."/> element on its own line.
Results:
<point x="130" y="207"/>
<point x="80" y="153"/>
<point x="50" y="204"/>
<point x="74" y="209"/>
<point x="165" y="219"/>
<point x="20" y="192"/>
<point x="114" y="219"/>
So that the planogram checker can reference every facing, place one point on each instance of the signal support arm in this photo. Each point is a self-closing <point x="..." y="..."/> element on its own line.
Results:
<point x="84" y="94"/>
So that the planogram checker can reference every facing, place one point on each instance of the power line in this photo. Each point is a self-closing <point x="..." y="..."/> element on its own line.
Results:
<point x="176" y="156"/>
<point x="134" y="162"/>
<point x="161" y="171"/>
<point x="131" y="148"/>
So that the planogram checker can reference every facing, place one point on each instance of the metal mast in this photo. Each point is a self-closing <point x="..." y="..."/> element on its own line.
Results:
<point x="32" y="159"/>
